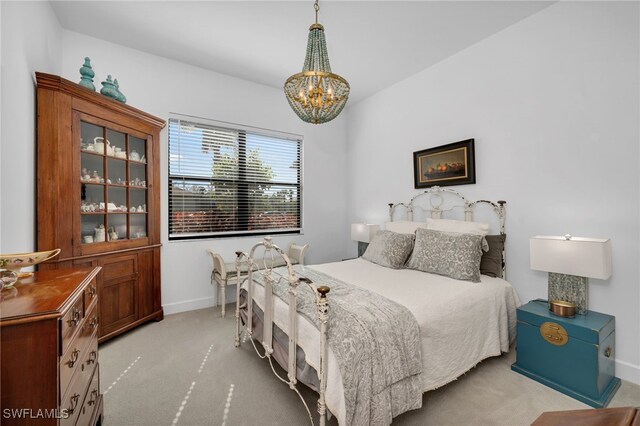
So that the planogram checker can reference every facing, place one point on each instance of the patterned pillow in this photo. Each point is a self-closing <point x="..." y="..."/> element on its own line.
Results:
<point x="491" y="263"/>
<point x="462" y="227"/>
<point x="450" y="254"/>
<point x="389" y="249"/>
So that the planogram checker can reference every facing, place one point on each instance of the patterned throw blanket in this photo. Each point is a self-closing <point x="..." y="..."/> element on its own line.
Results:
<point x="375" y="341"/>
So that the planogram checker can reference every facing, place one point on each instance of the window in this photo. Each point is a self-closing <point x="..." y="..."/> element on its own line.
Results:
<point x="229" y="180"/>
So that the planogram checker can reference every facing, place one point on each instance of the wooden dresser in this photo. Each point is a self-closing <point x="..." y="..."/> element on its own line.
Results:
<point x="49" y="349"/>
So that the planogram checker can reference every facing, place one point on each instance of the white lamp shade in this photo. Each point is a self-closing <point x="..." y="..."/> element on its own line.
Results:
<point x="582" y="257"/>
<point x="363" y="232"/>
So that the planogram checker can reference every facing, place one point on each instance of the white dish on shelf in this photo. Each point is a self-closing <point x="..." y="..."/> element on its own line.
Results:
<point x="110" y="207"/>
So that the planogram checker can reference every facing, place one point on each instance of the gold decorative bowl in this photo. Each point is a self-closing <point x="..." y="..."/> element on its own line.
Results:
<point x="562" y="308"/>
<point x="16" y="261"/>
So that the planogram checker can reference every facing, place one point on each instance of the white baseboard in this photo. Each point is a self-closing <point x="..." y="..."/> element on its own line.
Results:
<point x="187" y="305"/>
<point x="627" y="371"/>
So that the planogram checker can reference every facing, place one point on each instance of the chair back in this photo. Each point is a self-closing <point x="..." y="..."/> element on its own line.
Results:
<point x="296" y="253"/>
<point x="218" y="264"/>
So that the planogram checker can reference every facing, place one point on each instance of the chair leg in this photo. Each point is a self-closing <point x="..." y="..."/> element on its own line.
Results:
<point x="216" y="290"/>
<point x="223" y="297"/>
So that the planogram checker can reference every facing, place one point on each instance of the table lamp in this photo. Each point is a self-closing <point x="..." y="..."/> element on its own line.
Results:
<point x="363" y="233"/>
<point x="571" y="261"/>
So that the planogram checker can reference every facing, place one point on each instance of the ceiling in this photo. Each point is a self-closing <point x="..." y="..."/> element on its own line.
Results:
<point x="373" y="44"/>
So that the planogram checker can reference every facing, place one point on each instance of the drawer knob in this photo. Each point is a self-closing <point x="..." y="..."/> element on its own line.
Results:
<point x="74" y="358"/>
<point x="94" y="322"/>
<point x="75" y="317"/>
<point x="608" y="352"/>
<point x="93" y="356"/>
<point x="74" y="403"/>
<point x="92" y="291"/>
<point x="94" y="397"/>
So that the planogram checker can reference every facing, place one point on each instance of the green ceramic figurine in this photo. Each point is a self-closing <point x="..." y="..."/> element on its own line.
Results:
<point x="120" y="96"/>
<point x="109" y="89"/>
<point x="87" y="74"/>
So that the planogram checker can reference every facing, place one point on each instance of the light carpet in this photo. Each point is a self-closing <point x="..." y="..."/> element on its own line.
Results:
<point x="185" y="370"/>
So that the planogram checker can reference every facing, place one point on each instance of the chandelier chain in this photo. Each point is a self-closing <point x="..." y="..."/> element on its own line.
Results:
<point x="316" y="6"/>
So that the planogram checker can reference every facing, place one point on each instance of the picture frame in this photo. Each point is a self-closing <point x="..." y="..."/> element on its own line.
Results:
<point x="445" y="165"/>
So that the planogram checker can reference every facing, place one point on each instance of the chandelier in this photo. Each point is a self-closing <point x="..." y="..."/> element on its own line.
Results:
<point x="316" y="94"/>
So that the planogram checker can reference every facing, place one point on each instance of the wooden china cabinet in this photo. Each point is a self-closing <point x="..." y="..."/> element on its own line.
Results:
<point x="98" y="197"/>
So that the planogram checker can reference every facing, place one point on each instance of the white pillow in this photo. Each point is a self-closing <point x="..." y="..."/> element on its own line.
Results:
<point x="461" y="227"/>
<point x="404" y="226"/>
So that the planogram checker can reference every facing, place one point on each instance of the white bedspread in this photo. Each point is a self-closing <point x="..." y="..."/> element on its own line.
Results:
<point x="461" y="323"/>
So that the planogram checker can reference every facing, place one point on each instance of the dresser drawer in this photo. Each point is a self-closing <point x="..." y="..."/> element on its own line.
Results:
<point x="69" y="363"/>
<point x="70" y="323"/>
<point x="91" y="321"/>
<point x="78" y="349"/>
<point x="88" y="362"/>
<point x="90" y="400"/>
<point x="90" y="358"/>
<point x="90" y="294"/>
<point x="72" y="402"/>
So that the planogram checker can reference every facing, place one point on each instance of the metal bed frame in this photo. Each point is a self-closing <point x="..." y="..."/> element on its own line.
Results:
<point x="271" y="253"/>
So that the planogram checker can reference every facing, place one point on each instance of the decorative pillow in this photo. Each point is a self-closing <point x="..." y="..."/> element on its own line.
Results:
<point x="389" y="249"/>
<point x="460" y="226"/>
<point x="450" y="254"/>
<point x="404" y="226"/>
<point x="491" y="263"/>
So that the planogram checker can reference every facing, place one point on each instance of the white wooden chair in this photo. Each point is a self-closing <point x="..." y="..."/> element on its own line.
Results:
<point x="224" y="273"/>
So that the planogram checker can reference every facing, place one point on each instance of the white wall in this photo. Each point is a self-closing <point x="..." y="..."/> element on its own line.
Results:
<point x="160" y="86"/>
<point x="31" y="41"/>
<point x="553" y="103"/>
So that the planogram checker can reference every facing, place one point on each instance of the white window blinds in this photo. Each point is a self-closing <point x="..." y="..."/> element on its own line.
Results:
<point x="226" y="181"/>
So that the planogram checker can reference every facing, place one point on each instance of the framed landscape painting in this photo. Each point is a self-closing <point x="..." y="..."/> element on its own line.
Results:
<point x="451" y="164"/>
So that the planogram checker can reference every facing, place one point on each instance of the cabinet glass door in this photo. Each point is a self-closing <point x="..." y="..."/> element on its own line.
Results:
<point x="113" y="182"/>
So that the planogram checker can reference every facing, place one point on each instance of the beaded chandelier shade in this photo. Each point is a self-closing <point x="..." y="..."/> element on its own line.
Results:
<point x="316" y="94"/>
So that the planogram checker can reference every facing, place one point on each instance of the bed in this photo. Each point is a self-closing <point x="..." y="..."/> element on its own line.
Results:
<point x="416" y="331"/>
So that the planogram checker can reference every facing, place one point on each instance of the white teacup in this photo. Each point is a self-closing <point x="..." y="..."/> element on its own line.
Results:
<point x="88" y="239"/>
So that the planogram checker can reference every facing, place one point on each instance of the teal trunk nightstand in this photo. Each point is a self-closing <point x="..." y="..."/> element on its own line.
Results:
<point x="572" y="355"/>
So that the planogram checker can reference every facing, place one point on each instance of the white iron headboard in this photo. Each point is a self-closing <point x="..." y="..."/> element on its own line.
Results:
<point x="437" y="206"/>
